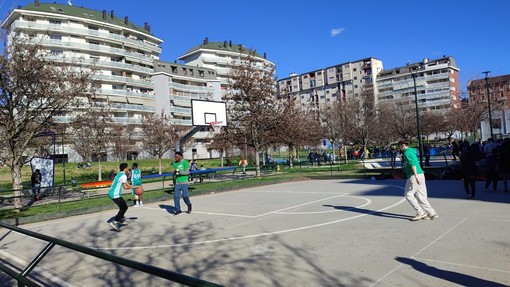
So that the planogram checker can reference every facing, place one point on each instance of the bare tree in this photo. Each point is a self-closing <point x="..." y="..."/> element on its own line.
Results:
<point x="361" y="123"/>
<point x="298" y="128"/>
<point x="33" y="91"/>
<point x="431" y="122"/>
<point x="223" y="141"/>
<point x="253" y="110"/>
<point x="159" y="135"/>
<point x="122" y="140"/>
<point x="331" y="119"/>
<point x="403" y="121"/>
<point x="452" y="122"/>
<point x="473" y="114"/>
<point x="93" y="132"/>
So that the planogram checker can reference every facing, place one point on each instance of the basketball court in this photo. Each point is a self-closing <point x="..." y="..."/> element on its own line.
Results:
<point x="307" y="233"/>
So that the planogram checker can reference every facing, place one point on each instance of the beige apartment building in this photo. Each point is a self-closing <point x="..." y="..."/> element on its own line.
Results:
<point x="437" y="85"/>
<point x="219" y="56"/>
<point x="315" y="90"/>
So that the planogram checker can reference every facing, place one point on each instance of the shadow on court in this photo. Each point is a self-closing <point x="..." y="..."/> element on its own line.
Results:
<point x="454" y="277"/>
<point x="371" y="212"/>
<point x="447" y="189"/>
<point x="169" y="208"/>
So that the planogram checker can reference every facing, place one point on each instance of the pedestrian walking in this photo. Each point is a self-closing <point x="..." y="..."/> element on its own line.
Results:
<point x="468" y="160"/>
<point x="181" y="175"/>
<point x="416" y="188"/>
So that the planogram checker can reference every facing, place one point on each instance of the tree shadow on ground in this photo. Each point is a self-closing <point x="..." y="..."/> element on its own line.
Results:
<point x="454" y="277"/>
<point x="371" y="212"/>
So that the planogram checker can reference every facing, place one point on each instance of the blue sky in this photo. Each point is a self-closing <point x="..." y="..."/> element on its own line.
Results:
<point x="301" y="36"/>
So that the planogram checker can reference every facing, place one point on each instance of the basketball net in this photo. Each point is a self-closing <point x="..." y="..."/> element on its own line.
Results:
<point x="214" y="127"/>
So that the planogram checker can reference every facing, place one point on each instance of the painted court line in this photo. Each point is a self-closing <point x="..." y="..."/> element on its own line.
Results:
<point x="421" y="250"/>
<point x="251" y="235"/>
<point x="37" y="270"/>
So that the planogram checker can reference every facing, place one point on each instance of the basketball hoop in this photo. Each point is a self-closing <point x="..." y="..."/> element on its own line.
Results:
<point x="214" y="126"/>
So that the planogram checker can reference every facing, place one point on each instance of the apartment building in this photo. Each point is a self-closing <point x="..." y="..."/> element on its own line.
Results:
<point x="175" y="85"/>
<point x="497" y="89"/>
<point x="219" y="56"/>
<point x="121" y="51"/>
<point x="437" y="85"/>
<point x="316" y="89"/>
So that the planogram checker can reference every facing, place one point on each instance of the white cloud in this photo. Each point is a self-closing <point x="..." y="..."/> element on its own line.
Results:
<point x="336" y="31"/>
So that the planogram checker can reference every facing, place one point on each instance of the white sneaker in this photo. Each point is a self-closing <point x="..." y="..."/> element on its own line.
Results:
<point x="433" y="216"/>
<point x="136" y="205"/>
<point x="418" y="217"/>
<point x="141" y="204"/>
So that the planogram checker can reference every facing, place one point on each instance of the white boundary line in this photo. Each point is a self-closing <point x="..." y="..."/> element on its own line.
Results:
<point x="37" y="270"/>
<point x="421" y="250"/>
<point x="249" y="236"/>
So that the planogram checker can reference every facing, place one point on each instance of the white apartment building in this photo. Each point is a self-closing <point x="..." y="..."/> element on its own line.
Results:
<point x="219" y="56"/>
<point x="175" y="85"/>
<point x="315" y="90"/>
<point x="437" y="85"/>
<point x="121" y="51"/>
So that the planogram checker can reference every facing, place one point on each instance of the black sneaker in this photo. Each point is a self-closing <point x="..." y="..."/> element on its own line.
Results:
<point x="189" y="209"/>
<point x="177" y="212"/>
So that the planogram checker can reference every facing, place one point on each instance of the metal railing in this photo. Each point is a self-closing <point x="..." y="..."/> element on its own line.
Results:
<point x="23" y="280"/>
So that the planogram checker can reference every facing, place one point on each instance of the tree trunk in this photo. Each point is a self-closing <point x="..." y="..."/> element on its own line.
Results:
<point x="291" y="156"/>
<point x="257" y="162"/>
<point x="16" y="185"/>
<point x="159" y="161"/>
<point x="99" y="175"/>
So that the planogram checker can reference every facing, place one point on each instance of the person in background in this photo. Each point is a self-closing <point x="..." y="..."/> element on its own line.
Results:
<point x="136" y="180"/>
<point x="243" y="163"/>
<point x="504" y="162"/>
<point x="469" y="172"/>
<point x="36" y="180"/>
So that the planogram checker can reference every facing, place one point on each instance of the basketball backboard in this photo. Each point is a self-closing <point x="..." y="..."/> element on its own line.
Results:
<point x="205" y="113"/>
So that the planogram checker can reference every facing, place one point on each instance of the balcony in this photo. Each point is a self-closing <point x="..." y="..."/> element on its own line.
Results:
<point x="64" y="29"/>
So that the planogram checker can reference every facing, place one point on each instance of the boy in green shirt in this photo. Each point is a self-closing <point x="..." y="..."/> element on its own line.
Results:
<point x="181" y="175"/>
<point x="416" y="189"/>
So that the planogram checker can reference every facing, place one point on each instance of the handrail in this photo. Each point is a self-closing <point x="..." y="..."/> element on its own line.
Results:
<point x="156" y="271"/>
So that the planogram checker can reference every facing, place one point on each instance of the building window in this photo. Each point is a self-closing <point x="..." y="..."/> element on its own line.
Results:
<point x="56" y="22"/>
<point x="55" y="52"/>
<point x="56" y="37"/>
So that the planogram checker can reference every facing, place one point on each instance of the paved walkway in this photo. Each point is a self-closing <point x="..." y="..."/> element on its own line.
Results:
<point x="308" y="233"/>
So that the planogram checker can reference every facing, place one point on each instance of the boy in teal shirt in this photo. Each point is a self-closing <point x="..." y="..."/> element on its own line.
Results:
<point x="416" y="189"/>
<point x="181" y="176"/>
<point x="136" y="180"/>
<point x="115" y="193"/>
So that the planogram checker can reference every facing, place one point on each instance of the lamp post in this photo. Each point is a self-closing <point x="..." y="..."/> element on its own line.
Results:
<point x="418" y="125"/>
<point x="489" y="101"/>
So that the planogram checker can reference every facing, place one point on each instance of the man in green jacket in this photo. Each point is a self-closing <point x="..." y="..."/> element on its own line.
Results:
<point x="416" y="189"/>
<point x="181" y="175"/>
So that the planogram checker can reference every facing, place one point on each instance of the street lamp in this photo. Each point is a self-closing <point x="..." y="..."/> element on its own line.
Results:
<point x="418" y="125"/>
<point x="489" y="101"/>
